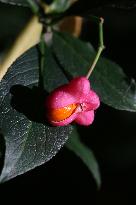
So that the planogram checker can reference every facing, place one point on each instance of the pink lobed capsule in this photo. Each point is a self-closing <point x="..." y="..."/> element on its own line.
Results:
<point x="75" y="101"/>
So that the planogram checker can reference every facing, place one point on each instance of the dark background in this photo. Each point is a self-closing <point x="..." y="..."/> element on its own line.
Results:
<point x="112" y="137"/>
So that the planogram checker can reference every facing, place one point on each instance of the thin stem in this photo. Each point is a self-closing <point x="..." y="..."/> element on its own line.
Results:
<point x="100" y="48"/>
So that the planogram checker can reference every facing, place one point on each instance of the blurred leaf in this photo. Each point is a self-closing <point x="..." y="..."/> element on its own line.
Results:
<point x="29" y="140"/>
<point x="108" y="78"/>
<point x="33" y="6"/>
<point x="85" y="154"/>
<point x="58" y="6"/>
<point x="15" y="2"/>
<point x="72" y="25"/>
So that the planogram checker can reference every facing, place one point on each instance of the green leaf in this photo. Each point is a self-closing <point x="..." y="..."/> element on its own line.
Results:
<point x="29" y="140"/>
<point x="108" y="78"/>
<point x="15" y="2"/>
<point x="59" y="6"/>
<point x="85" y="154"/>
<point x="53" y="76"/>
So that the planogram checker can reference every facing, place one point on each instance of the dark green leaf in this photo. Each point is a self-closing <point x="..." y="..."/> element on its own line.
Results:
<point x="108" y="78"/>
<point x="86" y="155"/>
<point x="56" y="76"/>
<point x="29" y="140"/>
<point x="15" y="2"/>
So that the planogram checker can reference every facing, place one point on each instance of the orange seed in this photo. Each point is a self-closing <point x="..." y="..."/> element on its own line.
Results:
<point x="62" y="113"/>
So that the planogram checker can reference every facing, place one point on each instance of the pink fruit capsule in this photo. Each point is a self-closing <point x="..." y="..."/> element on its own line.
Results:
<point x="74" y="101"/>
